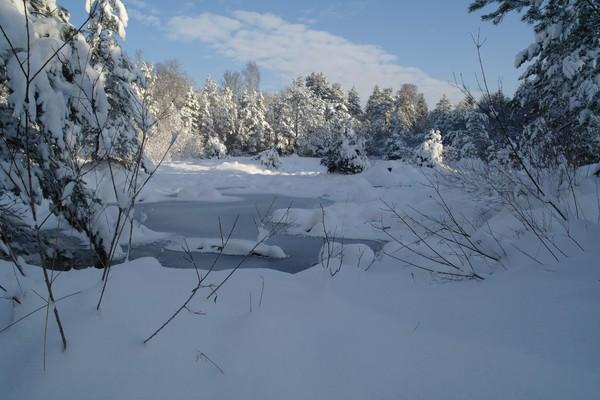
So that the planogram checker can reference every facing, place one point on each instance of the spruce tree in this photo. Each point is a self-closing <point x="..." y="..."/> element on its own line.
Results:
<point x="41" y="129"/>
<point x="254" y="131"/>
<point x="560" y="80"/>
<point x="189" y="142"/>
<point x="378" y="120"/>
<point x="354" y="104"/>
<point x="117" y="138"/>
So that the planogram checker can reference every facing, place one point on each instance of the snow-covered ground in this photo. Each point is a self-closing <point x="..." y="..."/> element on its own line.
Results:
<point x="377" y="329"/>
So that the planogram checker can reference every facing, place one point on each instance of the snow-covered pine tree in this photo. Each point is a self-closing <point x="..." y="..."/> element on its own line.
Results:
<point x="317" y="83"/>
<point x="338" y="123"/>
<point x="206" y="126"/>
<point x="279" y="117"/>
<point x="512" y="117"/>
<point x="190" y="111"/>
<point x="473" y="142"/>
<point x="144" y="109"/>
<point x="397" y="148"/>
<point x="306" y="112"/>
<point x="405" y="115"/>
<point x="431" y="152"/>
<point x="561" y="79"/>
<point x="41" y="128"/>
<point x="378" y="120"/>
<point x="254" y="131"/>
<point x="403" y="123"/>
<point x="346" y="156"/>
<point x="189" y="143"/>
<point x="245" y="122"/>
<point x="225" y="119"/>
<point x="117" y="138"/>
<point x="354" y="104"/>
<point x="422" y="110"/>
<point x="337" y="126"/>
<point x="440" y="117"/>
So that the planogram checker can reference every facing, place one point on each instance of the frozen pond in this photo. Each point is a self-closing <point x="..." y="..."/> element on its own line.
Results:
<point x="201" y="219"/>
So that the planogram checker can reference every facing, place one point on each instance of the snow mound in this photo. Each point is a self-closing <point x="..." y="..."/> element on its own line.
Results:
<point x="235" y="247"/>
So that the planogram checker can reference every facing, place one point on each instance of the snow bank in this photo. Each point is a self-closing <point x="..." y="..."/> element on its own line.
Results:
<point x="234" y="247"/>
<point x="524" y="334"/>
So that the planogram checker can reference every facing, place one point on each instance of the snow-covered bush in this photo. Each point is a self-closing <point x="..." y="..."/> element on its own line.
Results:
<point x="431" y="152"/>
<point x="346" y="158"/>
<point x="214" y="148"/>
<point x="269" y="159"/>
<point x="396" y="149"/>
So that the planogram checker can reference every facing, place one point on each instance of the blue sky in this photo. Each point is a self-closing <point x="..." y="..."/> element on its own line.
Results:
<point x="355" y="42"/>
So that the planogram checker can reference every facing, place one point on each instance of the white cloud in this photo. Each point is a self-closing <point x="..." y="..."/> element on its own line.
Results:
<point x="209" y="28"/>
<point x="142" y="12"/>
<point x="147" y="19"/>
<point x="296" y="49"/>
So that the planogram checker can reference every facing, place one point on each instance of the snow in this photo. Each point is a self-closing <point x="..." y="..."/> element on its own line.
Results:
<point x="235" y="247"/>
<point x="368" y="327"/>
<point x="527" y="334"/>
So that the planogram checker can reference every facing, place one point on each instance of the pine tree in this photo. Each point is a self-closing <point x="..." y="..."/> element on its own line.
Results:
<point x="190" y="112"/>
<point x="226" y="121"/>
<point x="279" y="117"/>
<point x="206" y="126"/>
<point x="223" y="111"/>
<point x="378" y="116"/>
<point x="405" y="113"/>
<point x="41" y="128"/>
<point x="473" y="141"/>
<point x="431" y="152"/>
<point x="346" y="156"/>
<point x="354" y="104"/>
<point x="441" y="116"/>
<point x="561" y="78"/>
<point x="118" y="137"/>
<point x="422" y="111"/>
<point x="189" y="142"/>
<point x="306" y="113"/>
<point x="254" y="131"/>
<point x="317" y="83"/>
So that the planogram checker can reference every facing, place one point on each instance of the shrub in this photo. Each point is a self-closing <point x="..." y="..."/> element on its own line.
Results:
<point x="269" y="159"/>
<point x="346" y="158"/>
<point x="431" y="152"/>
<point x="215" y="148"/>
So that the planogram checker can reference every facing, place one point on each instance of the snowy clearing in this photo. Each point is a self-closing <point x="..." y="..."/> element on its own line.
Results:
<point x="375" y="329"/>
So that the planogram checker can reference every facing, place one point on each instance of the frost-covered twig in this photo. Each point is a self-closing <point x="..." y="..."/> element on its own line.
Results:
<point x="36" y="310"/>
<point x="200" y="280"/>
<point x="491" y="112"/>
<point x="329" y="245"/>
<point x="435" y="272"/>
<point x="200" y="355"/>
<point x="274" y="230"/>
